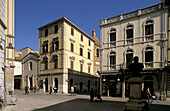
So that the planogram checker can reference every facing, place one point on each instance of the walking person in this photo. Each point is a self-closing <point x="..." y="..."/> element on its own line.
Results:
<point x="35" y="89"/>
<point x="50" y="90"/>
<point x="148" y="94"/>
<point x="72" y="91"/>
<point x="91" y="95"/>
<point x="26" y="89"/>
<point x="55" y="90"/>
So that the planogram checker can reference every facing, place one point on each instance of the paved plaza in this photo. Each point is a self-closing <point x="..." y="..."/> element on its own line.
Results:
<point x="65" y="102"/>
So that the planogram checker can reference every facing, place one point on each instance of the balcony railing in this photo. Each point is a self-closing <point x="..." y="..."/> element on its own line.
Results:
<point x="135" y="40"/>
<point x="131" y="14"/>
<point x="147" y="65"/>
<point x="51" y="71"/>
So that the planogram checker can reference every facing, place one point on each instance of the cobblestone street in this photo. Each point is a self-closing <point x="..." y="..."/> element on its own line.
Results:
<point x="65" y="102"/>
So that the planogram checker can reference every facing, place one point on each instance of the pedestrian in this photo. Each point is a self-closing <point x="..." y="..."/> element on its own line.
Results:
<point x="148" y="93"/>
<point x="72" y="91"/>
<point x="91" y="95"/>
<point x="55" y="90"/>
<point x="26" y="89"/>
<point x="50" y="90"/>
<point x="35" y="89"/>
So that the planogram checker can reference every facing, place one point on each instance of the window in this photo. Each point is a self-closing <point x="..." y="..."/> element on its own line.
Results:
<point x="30" y="66"/>
<point x="46" y="32"/>
<point x="45" y="63"/>
<point x="149" y="57"/>
<point x="72" y="65"/>
<point x="97" y="52"/>
<point x="82" y="38"/>
<point x="45" y="47"/>
<point x="72" y="31"/>
<point x="81" y="51"/>
<point x="112" y="60"/>
<point x="88" y="55"/>
<point x="113" y="37"/>
<point x="10" y="45"/>
<point x="89" y="69"/>
<point x="89" y="43"/>
<point x="72" y="47"/>
<point x="149" y="30"/>
<point x="129" y="34"/>
<point x="129" y="57"/>
<point x="81" y="67"/>
<point x="55" y="45"/>
<point x="56" y="29"/>
<point x="55" y="58"/>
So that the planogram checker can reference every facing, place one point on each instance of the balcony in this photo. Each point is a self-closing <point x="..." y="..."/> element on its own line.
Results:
<point x="51" y="71"/>
<point x="147" y="65"/>
<point x="136" y="40"/>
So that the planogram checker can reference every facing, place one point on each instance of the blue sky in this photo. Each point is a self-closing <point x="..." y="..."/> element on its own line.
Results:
<point x="86" y="14"/>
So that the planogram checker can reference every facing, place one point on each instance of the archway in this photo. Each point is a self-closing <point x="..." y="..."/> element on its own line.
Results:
<point x="31" y="86"/>
<point x="46" y="85"/>
<point x="56" y="82"/>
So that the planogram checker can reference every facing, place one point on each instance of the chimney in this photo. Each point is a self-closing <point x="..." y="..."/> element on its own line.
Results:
<point x="93" y="33"/>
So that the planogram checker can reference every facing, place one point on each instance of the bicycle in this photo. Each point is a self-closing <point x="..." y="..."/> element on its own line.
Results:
<point x="1" y="104"/>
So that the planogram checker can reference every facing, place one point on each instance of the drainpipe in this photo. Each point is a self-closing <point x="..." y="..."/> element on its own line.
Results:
<point x="5" y="70"/>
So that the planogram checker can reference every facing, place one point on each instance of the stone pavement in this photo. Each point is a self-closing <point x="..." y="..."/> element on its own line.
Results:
<point x="65" y="102"/>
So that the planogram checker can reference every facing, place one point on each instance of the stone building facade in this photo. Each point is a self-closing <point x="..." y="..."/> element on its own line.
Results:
<point x="30" y="68"/>
<point x="167" y="3"/>
<point x="2" y="49"/>
<point x="66" y="57"/>
<point x="141" y="33"/>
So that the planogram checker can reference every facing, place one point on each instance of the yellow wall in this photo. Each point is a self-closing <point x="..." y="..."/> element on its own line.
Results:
<point x="76" y="53"/>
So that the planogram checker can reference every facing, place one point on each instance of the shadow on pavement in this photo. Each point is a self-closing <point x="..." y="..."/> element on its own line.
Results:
<point x="85" y="105"/>
<point x="158" y="107"/>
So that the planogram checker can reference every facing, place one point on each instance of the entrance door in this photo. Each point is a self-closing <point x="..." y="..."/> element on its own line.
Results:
<point x="46" y="85"/>
<point x="17" y="83"/>
<point x="112" y="89"/>
<point x="56" y="83"/>
<point x="148" y="82"/>
<point x="31" y="87"/>
<point x="81" y="87"/>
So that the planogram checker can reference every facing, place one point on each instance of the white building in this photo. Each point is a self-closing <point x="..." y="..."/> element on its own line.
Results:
<point x="141" y="33"/>
<point x="17" y="69"/>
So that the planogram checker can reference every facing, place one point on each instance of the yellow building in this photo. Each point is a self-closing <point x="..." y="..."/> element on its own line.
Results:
<point x="9" y="19"/>
<point x="167" y="3"/>
<point x="67" y="57"/>
<point x="96" y="53"/>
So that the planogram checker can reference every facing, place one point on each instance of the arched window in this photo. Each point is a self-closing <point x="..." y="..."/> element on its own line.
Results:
<point x="112" y="37"/>
<point x="55" y="58"/>
<point x="149" y="30"/>
<point x="129" y="33"/>
<point x="45" y="63"/>
<point x="129" y="57"/>
<point x="30" y="66"/>
<point x="148" y="56"/>
<point x="97" y="52"/>
<point x="112" y="60"/>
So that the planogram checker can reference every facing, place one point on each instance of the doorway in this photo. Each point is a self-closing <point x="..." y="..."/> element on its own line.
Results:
<point x="112" y="89"/>
<point x="46" y="85"/>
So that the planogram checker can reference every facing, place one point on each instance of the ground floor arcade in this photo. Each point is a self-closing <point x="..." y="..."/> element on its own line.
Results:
<point x="115" y="83"/>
